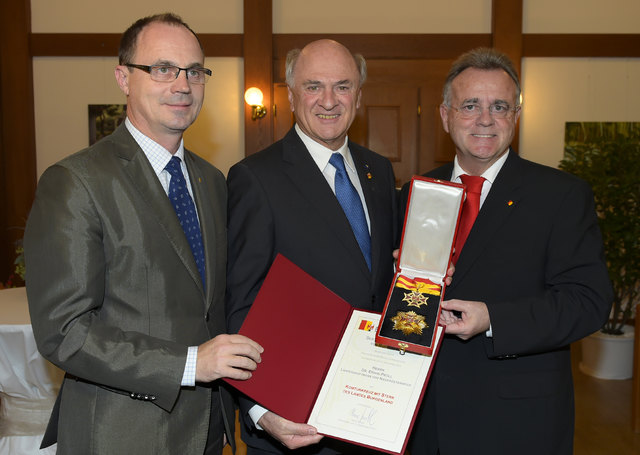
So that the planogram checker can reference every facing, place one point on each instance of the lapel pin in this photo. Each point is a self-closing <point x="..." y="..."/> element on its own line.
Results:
<point x="510" y="203"/>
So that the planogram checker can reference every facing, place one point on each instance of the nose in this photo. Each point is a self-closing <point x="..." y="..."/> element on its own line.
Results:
<point x="327" y="100"/>
<point x="181" y="84"/>
<point x="485" y="118"/>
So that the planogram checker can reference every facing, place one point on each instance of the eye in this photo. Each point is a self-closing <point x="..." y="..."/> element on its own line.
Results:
<point x="469" y="107"/>
<point x="499" y="108"/>
<point x="195" y="73"/>
<point x="163" y="69"/>
<point x="343" y="88"/>
<point x="312" y="88"/>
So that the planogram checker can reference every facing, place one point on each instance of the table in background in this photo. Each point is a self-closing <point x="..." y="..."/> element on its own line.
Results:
<point x="28" y="383"/>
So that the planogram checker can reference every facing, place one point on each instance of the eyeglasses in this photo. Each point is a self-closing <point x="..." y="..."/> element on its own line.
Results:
<point x="496" y="110"/>
<point x="169" y="73"/>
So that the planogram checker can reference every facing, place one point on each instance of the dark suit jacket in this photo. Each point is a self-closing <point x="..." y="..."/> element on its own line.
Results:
<point x="115" y="300"/>
<point x="279" y="202"/>
<point x="534" y="256"/>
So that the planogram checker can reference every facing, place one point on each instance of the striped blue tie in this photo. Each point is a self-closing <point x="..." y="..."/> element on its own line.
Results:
<point x="186" y="211"/>
<point x="352" y="205"/>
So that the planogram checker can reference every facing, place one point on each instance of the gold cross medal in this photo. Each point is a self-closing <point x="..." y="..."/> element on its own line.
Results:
<point x="419" y="290"/>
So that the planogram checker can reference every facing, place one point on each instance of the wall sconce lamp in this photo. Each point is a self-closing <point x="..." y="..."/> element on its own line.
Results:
<point x="253" y="97"/>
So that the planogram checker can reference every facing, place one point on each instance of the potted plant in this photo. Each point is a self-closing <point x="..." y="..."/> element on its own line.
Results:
<point x="607" y="156"/>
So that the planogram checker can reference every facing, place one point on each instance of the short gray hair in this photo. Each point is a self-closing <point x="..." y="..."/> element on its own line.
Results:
<point x="292" y="59"/>
<point x="482" y="58"/>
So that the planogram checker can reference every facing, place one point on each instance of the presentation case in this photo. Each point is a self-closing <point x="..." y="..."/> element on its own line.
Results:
<point x="410" y="316"/>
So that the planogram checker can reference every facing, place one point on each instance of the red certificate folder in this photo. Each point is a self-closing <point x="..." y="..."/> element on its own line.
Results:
<point x="298" y="322"/>
<point x="412" y="311"/>
<point x="310" y="370"/>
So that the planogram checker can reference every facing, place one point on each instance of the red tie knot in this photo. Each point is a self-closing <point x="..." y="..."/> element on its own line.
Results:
<point x="473" y="183"/>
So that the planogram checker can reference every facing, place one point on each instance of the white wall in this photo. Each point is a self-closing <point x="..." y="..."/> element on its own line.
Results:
<point x="114" y="16"/>
<point x="382" y="16"/>
<point x="557" y="90"/>
<point x="581" y="16"/>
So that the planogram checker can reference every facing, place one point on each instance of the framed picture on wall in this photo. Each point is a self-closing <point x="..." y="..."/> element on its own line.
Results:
<point x="104" y="119"/>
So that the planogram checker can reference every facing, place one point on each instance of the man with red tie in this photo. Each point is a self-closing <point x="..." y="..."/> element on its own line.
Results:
<point x="530" y="279"/>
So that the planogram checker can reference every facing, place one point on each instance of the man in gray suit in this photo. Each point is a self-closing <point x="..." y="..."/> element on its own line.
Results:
<point x="124" y="301"/>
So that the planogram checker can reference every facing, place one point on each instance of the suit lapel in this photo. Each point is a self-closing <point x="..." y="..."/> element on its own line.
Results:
<point x="139" y="170"/>
<point x="500" y="203"/>
<point x="305" y="175"/>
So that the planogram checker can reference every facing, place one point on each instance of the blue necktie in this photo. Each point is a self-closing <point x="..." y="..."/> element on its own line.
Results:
<point x="186" y="211"/>
<point x="352" y="205"/>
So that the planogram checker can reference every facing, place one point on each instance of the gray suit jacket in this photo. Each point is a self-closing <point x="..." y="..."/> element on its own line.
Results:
<point x="115" y="300"/>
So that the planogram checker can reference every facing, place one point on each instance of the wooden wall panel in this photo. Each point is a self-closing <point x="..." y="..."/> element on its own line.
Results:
<point x="17" y="138"/>
<point x="258" y="133"/>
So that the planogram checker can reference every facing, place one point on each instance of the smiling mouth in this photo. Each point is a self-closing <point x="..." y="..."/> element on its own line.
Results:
<point x="327" y="117"/>
<point x="484" y="136"/>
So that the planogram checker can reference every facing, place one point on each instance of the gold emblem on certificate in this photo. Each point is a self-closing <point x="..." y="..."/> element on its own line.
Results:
<point x="409" y="322"/>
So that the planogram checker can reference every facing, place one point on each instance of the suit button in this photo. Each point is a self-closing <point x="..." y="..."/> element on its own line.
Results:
<point x="206" y="317"/>
<point x="152" y="398"/>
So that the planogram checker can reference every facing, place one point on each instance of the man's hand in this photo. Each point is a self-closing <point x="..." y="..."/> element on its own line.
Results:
<point x="474" y="318"/>
<point x="227" y="356"/>
<point x="292" y="435"/>
<point x="450" y="271"/>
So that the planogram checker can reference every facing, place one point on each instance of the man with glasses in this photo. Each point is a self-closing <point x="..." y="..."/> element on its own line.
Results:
<point x="126" y="254"/>
<point x="530" y="279"/>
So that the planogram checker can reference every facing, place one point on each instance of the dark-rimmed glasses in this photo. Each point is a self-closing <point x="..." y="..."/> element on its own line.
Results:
<point x="169" y="73"/>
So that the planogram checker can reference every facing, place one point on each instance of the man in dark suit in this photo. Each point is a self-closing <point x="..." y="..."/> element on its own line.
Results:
<point x="126" y="294"/>
<point x="530" y="280"/>
<point x="287" y="199"/>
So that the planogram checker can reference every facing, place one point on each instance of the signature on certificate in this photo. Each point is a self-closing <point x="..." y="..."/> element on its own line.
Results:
<point x="363" y="415"/>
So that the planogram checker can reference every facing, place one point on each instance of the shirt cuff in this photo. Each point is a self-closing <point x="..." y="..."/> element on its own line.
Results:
<point x="256" y="412"/>
<point x="489" y="333"/>
<point x="189" y="376"/>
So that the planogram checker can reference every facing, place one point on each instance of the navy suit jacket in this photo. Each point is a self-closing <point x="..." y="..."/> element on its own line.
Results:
<point x="279" y="202"/>
<point x="535" y="257"/>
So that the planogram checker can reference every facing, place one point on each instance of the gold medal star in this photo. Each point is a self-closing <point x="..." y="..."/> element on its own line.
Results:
<point x="409" y="322"/>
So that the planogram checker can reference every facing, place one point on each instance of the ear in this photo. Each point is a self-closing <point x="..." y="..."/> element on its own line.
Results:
<point x="290" y="96"/>
<point x="122" y="77"/>
<point x="444" y="115"/>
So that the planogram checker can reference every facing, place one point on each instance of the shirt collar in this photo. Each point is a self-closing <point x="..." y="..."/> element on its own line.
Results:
<point x="490" y="174"/>
<point x="322" y="154"/>
<point x="157" y="155"/>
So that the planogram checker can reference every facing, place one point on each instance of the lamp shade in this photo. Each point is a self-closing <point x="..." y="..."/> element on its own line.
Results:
<point x="253" y="96"/>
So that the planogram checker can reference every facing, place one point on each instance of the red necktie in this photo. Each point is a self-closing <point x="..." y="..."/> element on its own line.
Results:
<point x="470" y="210"/>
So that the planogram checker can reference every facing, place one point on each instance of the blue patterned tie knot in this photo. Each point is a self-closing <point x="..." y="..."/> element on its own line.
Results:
<point x="352" y="206"/>
<point x="186" y="211"/>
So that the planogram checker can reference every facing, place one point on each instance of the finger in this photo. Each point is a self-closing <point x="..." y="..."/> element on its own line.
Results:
<point x="301" y="441"/>
<point x="241" y="339"/>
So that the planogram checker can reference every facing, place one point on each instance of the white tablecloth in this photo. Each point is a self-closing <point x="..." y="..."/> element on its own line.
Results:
<point x="28" y="383"/>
